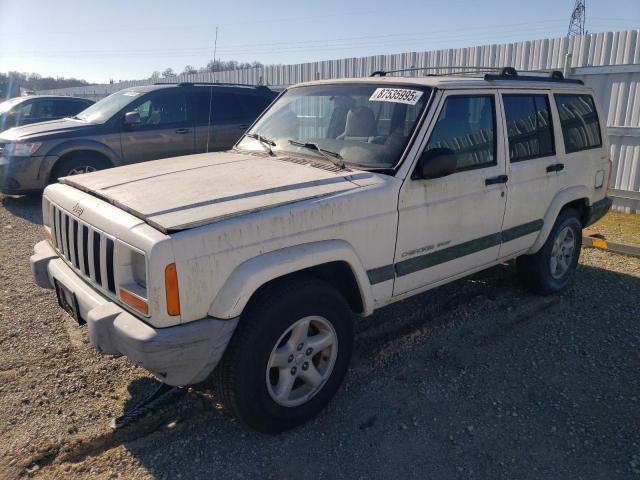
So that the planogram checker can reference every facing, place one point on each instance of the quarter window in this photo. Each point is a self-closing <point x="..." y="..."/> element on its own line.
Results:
<point x="579" y="122"/>
<point x="528" y="126"/>
<point x="466" y="125"/>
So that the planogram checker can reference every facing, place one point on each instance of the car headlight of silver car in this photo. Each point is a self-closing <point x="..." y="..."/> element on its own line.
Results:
<point x="132" y="277"/>
<point x="21" y="149"/>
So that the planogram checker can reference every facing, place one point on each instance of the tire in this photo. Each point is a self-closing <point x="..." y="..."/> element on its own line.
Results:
<point x="249" y="390"/>
<point x="549" y="270"/>
<point x="75" y="165"/>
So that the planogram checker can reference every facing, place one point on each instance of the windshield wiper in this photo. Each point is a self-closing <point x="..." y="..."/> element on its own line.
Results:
<point x="267" y="143"/>
<point x="334" y="157"/>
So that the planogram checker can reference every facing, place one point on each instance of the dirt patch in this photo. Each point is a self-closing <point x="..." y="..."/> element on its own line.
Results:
<point x="477" y="379"/>
<point x="619" y="227"/>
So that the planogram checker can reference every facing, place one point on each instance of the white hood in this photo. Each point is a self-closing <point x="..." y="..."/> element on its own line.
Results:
<point x="184" y="192"/>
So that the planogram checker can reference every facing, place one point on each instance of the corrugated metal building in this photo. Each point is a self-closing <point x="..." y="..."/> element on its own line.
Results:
<point x="609" y="62"/>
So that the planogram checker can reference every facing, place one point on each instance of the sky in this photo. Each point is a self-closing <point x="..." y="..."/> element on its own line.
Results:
<point x="99" y="40"/>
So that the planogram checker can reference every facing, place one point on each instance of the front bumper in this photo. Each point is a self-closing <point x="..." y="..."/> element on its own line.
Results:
<point x="20" y="175"/>
<point x="180" y="355"/>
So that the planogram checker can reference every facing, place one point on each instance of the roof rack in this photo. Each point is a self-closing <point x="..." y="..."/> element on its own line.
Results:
<point x="466" y="69"/>
<point x="510" y="73"/>
<point x="491" y="73"/>
<point x="224" y="84"/>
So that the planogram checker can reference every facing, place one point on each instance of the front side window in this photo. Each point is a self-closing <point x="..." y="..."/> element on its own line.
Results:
<point x="579" y="122"/>
<point x="366" y="125"/>
<point x="466" y="126"/>
<point x="163" y="109"/>
<point x="528" y="126"/>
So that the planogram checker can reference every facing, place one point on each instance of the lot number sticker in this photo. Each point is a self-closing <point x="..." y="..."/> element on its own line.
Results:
<point x="397" y="95"/>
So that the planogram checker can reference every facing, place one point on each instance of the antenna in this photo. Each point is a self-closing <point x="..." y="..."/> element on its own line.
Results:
<point x="576" y="24"/>
<point x="215" y="46"/>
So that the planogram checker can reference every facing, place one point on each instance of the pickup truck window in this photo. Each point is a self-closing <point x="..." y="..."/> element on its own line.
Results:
<point x="367" y="125"/>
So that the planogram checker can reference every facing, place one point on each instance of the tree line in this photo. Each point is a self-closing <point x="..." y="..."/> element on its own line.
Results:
<point x="14" y="81"/>
<point x="212" y="66"/>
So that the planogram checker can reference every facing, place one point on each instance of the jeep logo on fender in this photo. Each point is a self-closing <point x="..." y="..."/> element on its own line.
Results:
<point x="77" y="209"/>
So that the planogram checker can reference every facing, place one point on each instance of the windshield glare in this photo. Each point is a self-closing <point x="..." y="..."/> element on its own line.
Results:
<point x="103" y="110"/>
<point x="368" y="125"/>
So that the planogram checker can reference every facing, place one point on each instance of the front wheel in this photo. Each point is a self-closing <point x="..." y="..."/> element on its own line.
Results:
<point x="288" y="355"/>
<point x="76" y="165"/>
<point x="553" y="267"/>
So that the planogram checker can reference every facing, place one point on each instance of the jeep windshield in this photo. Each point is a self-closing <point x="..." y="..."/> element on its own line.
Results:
<point x="364" y="125"/>
<point x="103" y="110"/>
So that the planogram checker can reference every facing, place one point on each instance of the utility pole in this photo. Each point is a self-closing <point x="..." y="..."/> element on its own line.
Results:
<point x="576" y="24"/>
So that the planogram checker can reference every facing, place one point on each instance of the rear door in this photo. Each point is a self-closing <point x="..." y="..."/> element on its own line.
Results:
<point x="582" y="151"/>
<point x="532" y="163"/>
<point x="166" y="128"/>
<point x="451" y="225"/>
<point x="230" y="120"/>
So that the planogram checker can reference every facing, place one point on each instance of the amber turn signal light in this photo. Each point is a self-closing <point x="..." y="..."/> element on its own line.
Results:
<point x="47" y="234"/>
<point x="134" y="301"/>
<point x="171" y="289"/>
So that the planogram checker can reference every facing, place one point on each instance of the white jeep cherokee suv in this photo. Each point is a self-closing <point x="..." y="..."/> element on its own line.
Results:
<point x="344" y="196"/>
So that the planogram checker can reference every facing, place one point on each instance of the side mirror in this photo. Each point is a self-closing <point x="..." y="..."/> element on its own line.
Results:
<point x="436" y="163"/>
<point x="132" y="118"/>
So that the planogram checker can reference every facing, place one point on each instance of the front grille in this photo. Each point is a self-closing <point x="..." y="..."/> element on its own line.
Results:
<point x="89" y="251"/>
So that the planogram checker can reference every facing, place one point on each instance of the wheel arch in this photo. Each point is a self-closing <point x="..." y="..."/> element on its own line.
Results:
<point x="334" y="261"/>
<point x="67" y="149"/>
<point x="574" y="197"/>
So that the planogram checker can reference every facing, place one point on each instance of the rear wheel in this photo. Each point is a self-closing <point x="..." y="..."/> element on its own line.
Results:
<point x="288" y="355"/>
<point x="553" y="267"/>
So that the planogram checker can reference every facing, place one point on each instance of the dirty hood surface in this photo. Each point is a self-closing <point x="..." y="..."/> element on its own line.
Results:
<point x="184" y="192"/>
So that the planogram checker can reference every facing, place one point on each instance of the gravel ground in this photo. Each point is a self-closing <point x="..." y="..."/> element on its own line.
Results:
<point x="477" y="379"/>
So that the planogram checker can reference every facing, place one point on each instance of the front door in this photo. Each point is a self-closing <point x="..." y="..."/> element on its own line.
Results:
<point x="166" y="128"/>
<point x="451" y="225"/>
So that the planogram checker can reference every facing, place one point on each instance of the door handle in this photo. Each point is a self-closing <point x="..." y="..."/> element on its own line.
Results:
<point x="182" y="131"/>
<point x="556" y="167"/>
<point x="494" y="180"/>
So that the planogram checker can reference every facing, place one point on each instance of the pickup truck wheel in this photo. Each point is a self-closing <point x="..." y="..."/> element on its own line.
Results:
<point x="288" y="355"/>
<point x="553" y="267"/>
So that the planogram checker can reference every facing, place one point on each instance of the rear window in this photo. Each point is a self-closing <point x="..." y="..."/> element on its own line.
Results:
<point x="579" y="122"/>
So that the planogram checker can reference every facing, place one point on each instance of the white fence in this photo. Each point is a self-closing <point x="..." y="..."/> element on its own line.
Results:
<point x="609" y="62"/>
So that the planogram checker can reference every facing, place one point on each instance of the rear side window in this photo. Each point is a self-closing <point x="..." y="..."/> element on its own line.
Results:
<point x="579" y="122"/>
<point x="68" y="108"/>
<point x="466" y="125"/>
<point x="528" y="126"/>
<point x="254" y="104"/>
<point x="226" y="106"/>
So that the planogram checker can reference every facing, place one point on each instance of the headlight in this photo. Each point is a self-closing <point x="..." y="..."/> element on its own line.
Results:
<point x="132" y="277"/>
<point x="22" y="149"/>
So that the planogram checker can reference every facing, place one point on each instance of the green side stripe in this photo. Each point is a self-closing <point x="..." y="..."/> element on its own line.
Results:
<point x="412" y="265"/>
